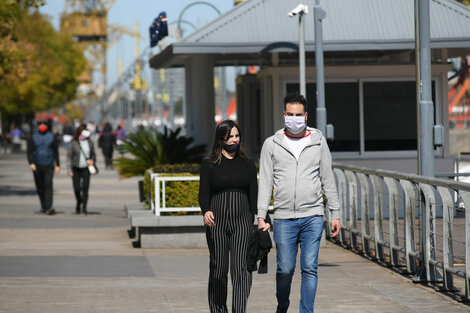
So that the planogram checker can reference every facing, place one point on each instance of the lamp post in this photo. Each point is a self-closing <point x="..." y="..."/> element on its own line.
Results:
<point x="223" y="72"/>
<point x="301" y="10"/>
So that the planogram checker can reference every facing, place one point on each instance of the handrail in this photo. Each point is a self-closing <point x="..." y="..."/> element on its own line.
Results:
<point x="158" y="205"/>
<point x="426" y="219"/>
<point x="411" y="177"/>
<point x="394" y="217"/>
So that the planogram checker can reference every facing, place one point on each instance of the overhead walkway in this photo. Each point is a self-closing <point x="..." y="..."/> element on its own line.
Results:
<point x="70" y="263"/>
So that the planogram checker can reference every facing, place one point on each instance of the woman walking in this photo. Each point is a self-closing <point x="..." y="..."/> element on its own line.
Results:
<point x="80" y="154"/>
<point x="228" y="196"/>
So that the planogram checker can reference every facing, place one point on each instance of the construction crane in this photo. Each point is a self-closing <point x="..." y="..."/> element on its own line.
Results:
<point x="86" y="21"/>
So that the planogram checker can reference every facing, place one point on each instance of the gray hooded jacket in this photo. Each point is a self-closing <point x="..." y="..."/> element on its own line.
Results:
<point x="298" y="185"/>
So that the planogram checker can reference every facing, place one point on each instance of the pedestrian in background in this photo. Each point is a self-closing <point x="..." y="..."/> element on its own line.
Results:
<point x="43" y="153"/>
<point x="80" y="154"/>
<point x="227" y="196"/>
<point x="120" y="134"/>
<point x="67" y="134"/>
<point x="107" y="142"/>
<point x="297" y="162"/>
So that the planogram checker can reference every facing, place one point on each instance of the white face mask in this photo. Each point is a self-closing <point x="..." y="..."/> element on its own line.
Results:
<point x="295" y="124"/>
<point x="85" y="133"/>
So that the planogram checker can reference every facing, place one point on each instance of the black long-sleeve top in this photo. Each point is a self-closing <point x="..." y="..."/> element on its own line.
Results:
<point x="231" y="174"/>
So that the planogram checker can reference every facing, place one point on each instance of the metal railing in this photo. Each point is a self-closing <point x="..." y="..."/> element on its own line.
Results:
<point x="409" y="221"/>
<point x="159" y="193"/>
<point x="157" y="196"/>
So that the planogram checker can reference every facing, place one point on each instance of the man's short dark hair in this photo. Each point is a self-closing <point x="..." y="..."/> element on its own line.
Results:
<point x="295" y="97"/>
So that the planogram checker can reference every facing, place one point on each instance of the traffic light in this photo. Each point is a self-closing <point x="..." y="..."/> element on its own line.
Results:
<point x="158" y="29"/>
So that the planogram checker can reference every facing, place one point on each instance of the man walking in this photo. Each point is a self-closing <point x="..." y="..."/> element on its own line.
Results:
<point x="297" y="161"/>
<point x="43" y="152"/>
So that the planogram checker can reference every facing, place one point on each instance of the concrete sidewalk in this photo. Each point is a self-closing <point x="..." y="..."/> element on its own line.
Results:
<point x="70" y="263"/>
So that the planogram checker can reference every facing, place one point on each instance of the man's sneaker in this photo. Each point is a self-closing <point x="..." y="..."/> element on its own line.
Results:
<point x="51" y="211"/>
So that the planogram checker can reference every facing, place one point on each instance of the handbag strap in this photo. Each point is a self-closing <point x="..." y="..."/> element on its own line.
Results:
<point x="83" y="151"/>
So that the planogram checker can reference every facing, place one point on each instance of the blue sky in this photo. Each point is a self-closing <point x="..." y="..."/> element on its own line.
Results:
<point x="127" y="12"/>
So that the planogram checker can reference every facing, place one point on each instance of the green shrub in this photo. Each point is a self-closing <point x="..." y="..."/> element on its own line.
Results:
<point x="177" y="193"/>
<point x="148" y="148"/>
<point x="189" y="168"/>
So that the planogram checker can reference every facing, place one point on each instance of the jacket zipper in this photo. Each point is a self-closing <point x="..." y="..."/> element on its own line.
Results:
<point x="296" y="168"/>
<point x="295" y="184"/>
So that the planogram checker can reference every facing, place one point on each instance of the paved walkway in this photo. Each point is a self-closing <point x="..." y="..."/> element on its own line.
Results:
<point x="70" y="263"/>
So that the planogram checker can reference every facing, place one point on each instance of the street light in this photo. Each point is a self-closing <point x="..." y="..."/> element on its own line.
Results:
<point x="301" y="10"/>
<point x="327" y="129"/>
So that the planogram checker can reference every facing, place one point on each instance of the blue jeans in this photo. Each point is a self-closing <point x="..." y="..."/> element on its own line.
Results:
<point x="288" y="233"/>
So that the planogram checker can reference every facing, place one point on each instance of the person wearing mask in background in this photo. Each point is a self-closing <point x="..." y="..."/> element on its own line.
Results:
<point x="42" y="153"/>
<point x="296" y="161"/>
<point x="227" y="196"/>
<point x="80" y="154"/>
<point x="106" y="143"/>
<point x="120" y="134"/>
<point x="67" y="134"/>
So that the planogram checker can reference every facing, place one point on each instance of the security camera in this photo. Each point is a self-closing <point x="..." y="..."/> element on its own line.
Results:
<point x="301" y="8"/>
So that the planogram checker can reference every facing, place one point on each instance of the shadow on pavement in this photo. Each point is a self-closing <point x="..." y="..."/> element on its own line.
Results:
<point x="16" y="191"/>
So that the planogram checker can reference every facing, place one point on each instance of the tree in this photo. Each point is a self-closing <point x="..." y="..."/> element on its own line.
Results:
<point x="465" y="2"/>
<point x="38" y="65"/>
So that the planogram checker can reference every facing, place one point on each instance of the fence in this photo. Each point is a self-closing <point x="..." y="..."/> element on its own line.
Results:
<point x="157" y="196"/>
<point x="159" y="204"/>
<point x="418" y="223"/>
<point x="410" y="221"/>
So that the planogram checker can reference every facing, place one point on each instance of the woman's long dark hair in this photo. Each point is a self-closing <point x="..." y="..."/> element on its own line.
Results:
<point x="222" y="133"/>
<point x="79" y="131"/>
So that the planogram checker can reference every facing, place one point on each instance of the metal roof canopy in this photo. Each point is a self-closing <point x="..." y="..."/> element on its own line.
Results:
<point x="254" y="29"/>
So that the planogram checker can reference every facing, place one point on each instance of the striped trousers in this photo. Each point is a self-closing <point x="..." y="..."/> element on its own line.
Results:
<point x="228" y="243"/>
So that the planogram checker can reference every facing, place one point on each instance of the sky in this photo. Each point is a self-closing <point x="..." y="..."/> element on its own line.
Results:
<point x="127" y="12"/>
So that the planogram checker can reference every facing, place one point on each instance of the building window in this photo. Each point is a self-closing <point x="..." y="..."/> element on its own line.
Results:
<point x="342" y="106"/>
<point x="390" y="116"/>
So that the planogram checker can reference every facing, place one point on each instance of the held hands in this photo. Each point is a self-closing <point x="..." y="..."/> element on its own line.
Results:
<point x="209" y="219"/>
<point x="262" y="224"/>
<point x="335" y="227"/>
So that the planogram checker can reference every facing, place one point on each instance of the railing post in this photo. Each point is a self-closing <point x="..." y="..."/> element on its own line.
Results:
<point x="410" y="247"/>
<point x="393" y="219"/>
<point x="466" y="200"/>
<point x="378" y="216"/>
<point x="152" y="203"/>
<point x="365" y="214"/>
<point x="343" y="200"/>
<point x="157" y="196"/>
<point x="447" y="230"/>
<point x="353" y="206"/>
<point x="163" y="194"/>
<point x="428" y="271"/>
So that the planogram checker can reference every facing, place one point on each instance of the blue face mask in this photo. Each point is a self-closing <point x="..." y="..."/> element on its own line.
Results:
<point x="295" y="124"/>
